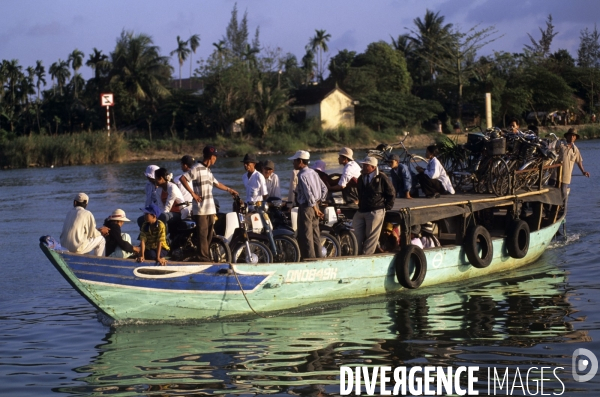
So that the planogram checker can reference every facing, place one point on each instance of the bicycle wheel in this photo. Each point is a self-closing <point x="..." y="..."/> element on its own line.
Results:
<point x="288" y="249"/>
<point x="259" y="253"/>
<point x="348" y="243"/>
<point x="330" y="246"/>
<point x="219" y="251"/>
<point x="415" y="161"/>
<point x="500" y="177"/>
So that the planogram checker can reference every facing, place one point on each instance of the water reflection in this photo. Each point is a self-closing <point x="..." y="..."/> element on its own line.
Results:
<point x="483" y="324"/>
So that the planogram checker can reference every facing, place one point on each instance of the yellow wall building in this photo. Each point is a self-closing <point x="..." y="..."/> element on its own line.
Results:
<point x="333" y="107"/>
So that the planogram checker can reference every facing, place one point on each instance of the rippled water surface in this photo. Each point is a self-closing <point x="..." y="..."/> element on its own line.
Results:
<point x="51" y="339"/>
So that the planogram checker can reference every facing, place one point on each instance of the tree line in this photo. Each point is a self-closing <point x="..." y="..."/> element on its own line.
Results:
<point x="432" y="74"/>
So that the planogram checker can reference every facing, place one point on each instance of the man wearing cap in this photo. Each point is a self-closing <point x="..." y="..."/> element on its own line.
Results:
<point x="272" y="180"/>
<point x="401" y="178"/>
<point x="375" y="195"/>
<point x="118" y="244"/>
<point x="254" y="181"/>
<point x="79" y="233"/>
<point x="310" y="191"/>
<point x="203" y="208"/>
<point x="349" y="177"/>
<point x="569" y="155"/>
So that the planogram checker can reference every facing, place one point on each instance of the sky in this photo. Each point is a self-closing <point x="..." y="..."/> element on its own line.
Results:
<point x="51" y="29"/>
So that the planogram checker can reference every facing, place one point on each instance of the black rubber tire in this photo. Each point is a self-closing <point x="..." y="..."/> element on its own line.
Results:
<point x="478" y="237"/>
<point x="256" y="247"/>
<point x="219" y="250"/>
<point x="348" y="243"/>
<point x="517" y="239"/>
<point x="331" y="245"/>
<point x="287" y="248"/>
<point x="402" y="265"/>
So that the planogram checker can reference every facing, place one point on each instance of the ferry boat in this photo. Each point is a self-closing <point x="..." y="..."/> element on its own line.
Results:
<point x="480" y="235"/>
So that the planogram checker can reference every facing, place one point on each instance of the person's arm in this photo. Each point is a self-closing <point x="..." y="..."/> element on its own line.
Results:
<point x="115" y="234"/>
<point x="185" y="182"/>
<point x="406" y="179"/>
<point x="142" y="250"/>
<point x="579" y="161"/>
<point x="389" y="194"/>
<point x="162" y="232"/>
<point x="171" y="196"/>
<point x="229" y="190"/>
<point x="276" y="187"/>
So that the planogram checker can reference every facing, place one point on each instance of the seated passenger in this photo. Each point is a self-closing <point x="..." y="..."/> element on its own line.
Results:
<point x="401" y="178"/>
<point x="433" y="179"/>
<point x="169" y="198"/>
<point x="79" y="233"/>
<point x="153" y="237"/>
<point x="118" y="244"/>
<point x="428" y="239"/>
<point x="415" y="231"/>
<point x="389" y="240"/>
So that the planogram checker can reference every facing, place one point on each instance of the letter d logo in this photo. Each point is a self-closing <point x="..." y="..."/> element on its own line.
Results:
<point x="582" y="364"/>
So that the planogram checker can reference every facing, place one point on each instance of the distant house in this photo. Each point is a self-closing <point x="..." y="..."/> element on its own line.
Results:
<point x="194" y="84"/>
<point x="332" y="106"/>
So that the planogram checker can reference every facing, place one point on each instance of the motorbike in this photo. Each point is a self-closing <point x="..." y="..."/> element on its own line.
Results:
<point x="184" y="240"/>
<point x="281" y="240"/>
<point x="246" y="245"/>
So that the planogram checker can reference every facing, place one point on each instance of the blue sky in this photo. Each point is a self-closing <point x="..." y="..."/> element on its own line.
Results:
<point x="51" y="29"/>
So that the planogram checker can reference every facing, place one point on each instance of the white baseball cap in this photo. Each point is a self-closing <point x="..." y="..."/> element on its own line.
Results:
<point x="300" y="154"/>
<point x="150" y="171"/>
<point x="369" y="160"/>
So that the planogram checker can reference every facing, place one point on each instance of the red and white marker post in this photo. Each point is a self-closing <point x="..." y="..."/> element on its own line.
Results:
<point x="107" y="99"/>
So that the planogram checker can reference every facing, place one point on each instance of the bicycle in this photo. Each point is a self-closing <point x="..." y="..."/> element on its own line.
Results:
<point x="383" y="153"/>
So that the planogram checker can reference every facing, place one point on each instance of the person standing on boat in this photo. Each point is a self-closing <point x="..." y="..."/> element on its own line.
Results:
<point x="79" y="233"/>
<point x="401" y="178"/>
<point x="203" y="208"/>
<point x="150" y="190"/>
<point x="375" y="196"/>
<point x="433" y="179"/>
<point x="569" y="155"/>
<point x="170" y="199"/>
<point x="349" y="177"/>
<point x="187" y="162"/>
<point x="310" y="191"/>
<point x="271" y="178"/>
<point x="254" y="181"/>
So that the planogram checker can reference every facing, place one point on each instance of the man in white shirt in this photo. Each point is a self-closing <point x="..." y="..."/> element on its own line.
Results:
<point x="254" y="181"/>
<point x="187" y="162"/>
<point x="348" y="180"/>
<point x="79" y="233"/>
<point x="268" y="170"/>
<point x="170" y="200"/>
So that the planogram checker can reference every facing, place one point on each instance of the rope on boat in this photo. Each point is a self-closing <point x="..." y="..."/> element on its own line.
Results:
<point x="244" y="293"/>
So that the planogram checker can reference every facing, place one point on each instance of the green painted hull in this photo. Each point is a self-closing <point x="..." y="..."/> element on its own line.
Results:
<point x="270" y="287"/>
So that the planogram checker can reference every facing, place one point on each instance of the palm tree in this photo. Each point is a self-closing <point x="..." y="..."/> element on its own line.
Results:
<point x="194" y="42"/>
<point x="319" y="43"/>
<point x="59" y="71"/>
<point x="40" y="74"/>
<point x="268" y="104"/>
<point x="182" y="52"/>
<point x="308" y="65"/>
<point x="13" y="73"/>
<point x="76" y="60"/>
<point x="140" y="69"/>
<point x="98" y="62"/>
<point x="3" y="77"/>
<point x="430" y="35"/>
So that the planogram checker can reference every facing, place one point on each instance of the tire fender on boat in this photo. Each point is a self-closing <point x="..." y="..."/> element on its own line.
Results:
<point x="517" y="239"/>
<point x="410" y="254"/>
<point x="478" y="238"/>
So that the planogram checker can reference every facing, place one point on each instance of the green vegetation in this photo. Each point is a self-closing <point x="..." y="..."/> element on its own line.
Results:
<point x="242" y="96"/>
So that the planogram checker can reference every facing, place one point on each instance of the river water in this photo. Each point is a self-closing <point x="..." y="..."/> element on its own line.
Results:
<point x="52" y="341"/>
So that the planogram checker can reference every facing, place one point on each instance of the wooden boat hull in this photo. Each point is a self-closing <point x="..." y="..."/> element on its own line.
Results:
<point x="124" y="290"/>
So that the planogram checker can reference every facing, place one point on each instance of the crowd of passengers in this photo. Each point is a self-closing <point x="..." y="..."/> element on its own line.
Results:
<point x="363" y="187"/>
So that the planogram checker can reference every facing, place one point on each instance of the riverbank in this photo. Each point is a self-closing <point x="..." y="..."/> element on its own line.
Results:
<point x="98" y="148"/>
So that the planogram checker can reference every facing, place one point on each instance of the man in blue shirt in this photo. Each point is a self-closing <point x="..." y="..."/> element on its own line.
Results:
<point x="401" y="178"/>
